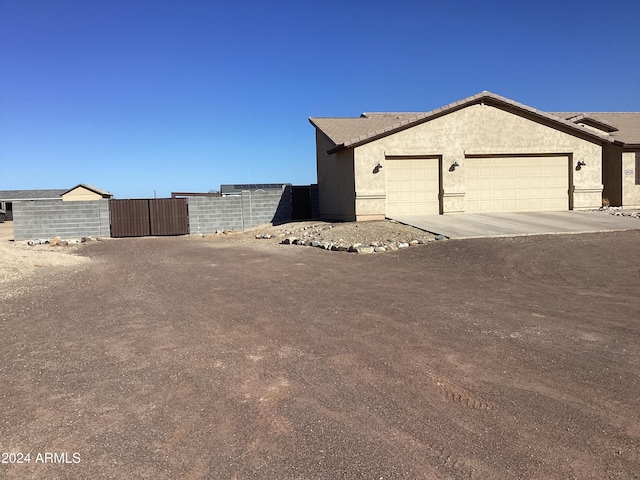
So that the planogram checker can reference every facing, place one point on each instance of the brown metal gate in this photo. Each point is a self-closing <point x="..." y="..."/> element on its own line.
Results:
<point x="149" y="216"/>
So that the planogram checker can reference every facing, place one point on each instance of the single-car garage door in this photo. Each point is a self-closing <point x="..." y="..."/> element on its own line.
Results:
<point x="413" y="186"/>
<point x="517" y="184"/>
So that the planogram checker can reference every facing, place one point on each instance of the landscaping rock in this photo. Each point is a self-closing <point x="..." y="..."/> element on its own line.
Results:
<point x="360" y="248"/>
<point x="31" y="243"/>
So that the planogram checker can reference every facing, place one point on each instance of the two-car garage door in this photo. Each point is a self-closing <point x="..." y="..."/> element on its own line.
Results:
<point x="517" y="184"/>
<point x="492" y="183"/>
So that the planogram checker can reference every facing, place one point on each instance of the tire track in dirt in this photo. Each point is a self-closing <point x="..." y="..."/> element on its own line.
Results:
<point x="441" y="459"/>
<point x="460" y="395"/>
<point x="265" y="392"/>
<point x="450" y="462"/>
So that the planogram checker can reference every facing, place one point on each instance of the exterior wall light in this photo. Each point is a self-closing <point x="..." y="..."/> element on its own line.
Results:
<point x="453" y="166"/>
<point x="580" y="164"/>
<point x="377" y="168"/>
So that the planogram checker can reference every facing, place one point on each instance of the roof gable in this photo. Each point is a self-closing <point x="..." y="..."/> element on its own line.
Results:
<point x="352" y="132"/>
<point x="91" y="188"/>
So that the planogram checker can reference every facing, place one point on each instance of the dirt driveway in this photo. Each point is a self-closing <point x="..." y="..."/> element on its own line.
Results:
<point x="190" y="358"/>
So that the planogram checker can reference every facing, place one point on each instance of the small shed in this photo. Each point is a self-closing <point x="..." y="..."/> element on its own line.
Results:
<point x="83" y="192"/>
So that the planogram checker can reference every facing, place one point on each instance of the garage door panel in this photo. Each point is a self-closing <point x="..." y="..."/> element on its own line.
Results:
<point x="504" y="184"/>
<point x="417" y="193"/>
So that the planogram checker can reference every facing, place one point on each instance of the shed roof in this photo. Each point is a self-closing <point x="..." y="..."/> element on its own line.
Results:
<point x="352" y="132"/>
<point x="10" y="195"/>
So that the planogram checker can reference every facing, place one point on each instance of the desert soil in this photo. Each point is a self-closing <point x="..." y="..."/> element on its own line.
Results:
<point x="231" y="357"/>
<point x="19" y="261"/>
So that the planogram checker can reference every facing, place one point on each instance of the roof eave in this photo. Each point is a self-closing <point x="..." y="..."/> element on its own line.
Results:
<point x="629" y="147"/>
<point x="337" y="148"/>
<point x="30" y="199"/>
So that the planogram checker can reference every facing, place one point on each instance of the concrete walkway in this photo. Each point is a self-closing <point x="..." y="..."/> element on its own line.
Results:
<point x="468" y="225"/>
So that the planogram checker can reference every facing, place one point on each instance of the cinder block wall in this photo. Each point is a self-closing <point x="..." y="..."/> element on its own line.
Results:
<point x="259" y="208"/>
<point x="250" y="209"/>
<point x="208" y="214"/>
<point x="34" y="219"/>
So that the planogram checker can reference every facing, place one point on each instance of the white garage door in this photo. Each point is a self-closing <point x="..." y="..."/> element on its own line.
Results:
<point x="413" y="186"/>
<point x="517" y="184"/>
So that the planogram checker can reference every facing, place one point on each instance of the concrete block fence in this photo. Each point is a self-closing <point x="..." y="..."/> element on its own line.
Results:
<point x="250" y="209"/>
<point x="34" y="219"/>
<point x="41" y="219"/>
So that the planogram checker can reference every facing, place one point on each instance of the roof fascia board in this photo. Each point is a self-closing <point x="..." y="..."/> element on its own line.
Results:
<point x="558" y="124"/>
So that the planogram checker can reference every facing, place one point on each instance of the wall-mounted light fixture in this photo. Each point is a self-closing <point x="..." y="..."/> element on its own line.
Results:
<point x="377" y="168"/>
<point x="581" y="163"/>
<point x="453" y="166"/>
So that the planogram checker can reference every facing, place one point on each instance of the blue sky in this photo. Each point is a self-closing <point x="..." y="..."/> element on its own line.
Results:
<point x="140" y="96"/>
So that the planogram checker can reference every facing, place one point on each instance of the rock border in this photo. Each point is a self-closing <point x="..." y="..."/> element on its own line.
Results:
<point x="310" y="236"/>
<point x="617" y="211"/>
<point x="59" y="242"/>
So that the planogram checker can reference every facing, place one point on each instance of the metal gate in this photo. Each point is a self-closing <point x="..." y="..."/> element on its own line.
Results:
<point x="149" y="216"/>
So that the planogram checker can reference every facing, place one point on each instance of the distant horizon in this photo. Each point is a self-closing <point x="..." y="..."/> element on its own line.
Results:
<point x="137" y="97"/>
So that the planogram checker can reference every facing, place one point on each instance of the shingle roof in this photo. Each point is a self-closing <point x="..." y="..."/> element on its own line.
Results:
<point x="351" y="132"/>
<point x="9" y="195"/>
<point x="627" y="124"/>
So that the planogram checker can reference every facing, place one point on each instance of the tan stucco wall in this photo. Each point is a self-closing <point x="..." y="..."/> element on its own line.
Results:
<point x="475" y="130"/>
<point x="630" y="191"/>
<point x="336" y="195"/>
<point x="80" y="194"/>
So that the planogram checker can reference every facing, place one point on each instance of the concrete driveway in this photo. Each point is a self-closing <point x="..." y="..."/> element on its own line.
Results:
<point x="468" y="225"/>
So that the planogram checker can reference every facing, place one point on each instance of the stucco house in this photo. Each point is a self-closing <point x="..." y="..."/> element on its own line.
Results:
<point x="485" y="153"/>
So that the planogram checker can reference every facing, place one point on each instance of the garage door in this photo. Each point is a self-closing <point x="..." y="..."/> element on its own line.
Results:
<point x="413" y="186"/>
<point x="517" y="184"/>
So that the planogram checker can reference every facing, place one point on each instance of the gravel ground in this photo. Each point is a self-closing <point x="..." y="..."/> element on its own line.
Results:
<point x="383" y="235"/>
<point x="232" y="357"/>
